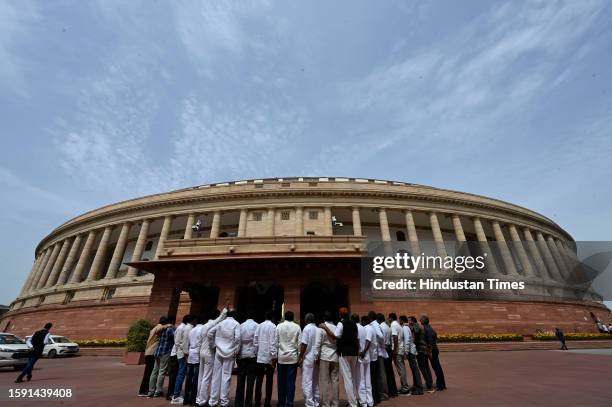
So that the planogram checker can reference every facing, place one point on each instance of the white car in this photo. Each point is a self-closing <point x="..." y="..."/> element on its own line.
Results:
<point x="59" y="346"/>
<point x="13" y="351"/>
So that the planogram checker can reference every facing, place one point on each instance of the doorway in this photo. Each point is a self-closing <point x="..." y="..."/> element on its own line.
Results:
<point x="320" y="296"/>
<point x="204" y="298"/>
<point x="255" y="299"/>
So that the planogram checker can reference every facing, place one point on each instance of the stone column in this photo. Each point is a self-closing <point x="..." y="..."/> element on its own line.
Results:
<point x="413" y="238"/>
<point x="115" y="263"/>
<point x="299" y="221"/>
<point x="551" y="267"/>
<point x="520" y="250"/>
<point x="163" y="235"/>
<point x="32" y="274"/>
<point x="216" y="224"/>
<point x="484" y="244"/>
<point x="459" y="234"/>
<point x="46" y="254"/>
<point x="567" y="261"/>
<point x="139" y="247"/>
<point x="385" y="235"/>
<point x="270" y="221"/>
<point x="437" y="234"/>
<point x="535" y="254"/>
<point x="558" y="258"/>
<point x="572" y="261"/>
<point x="59" y="262"/>
<point x="70" y="260"/>
<point x="96" y="265"/>
<point x="190" y="222"/>
<point x="504" y="250"/>
<point x="49" y="266"/>
<point x="242" y="223"/>
<point x="84" y="258"/>
<point x="356" y="222"/>
<point x="327" y="218"/>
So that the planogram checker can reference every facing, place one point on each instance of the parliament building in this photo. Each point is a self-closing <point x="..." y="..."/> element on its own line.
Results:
<point x="293" y="244"/>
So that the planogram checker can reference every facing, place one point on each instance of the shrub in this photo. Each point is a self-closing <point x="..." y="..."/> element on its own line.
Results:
<point x="101" y="342"/>
<point x="571" y="336"/>
<point x="502" y="337"/>
<point x="137" y="336"/>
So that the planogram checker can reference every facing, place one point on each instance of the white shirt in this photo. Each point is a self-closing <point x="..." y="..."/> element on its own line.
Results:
<point x="247" y="333"/>
<point x="183" y="348"/>
<point x="396" y="330"/>
<point x="288" y="338"/>
<point x="370" y="335"/>
<point x="195" y="342"/>
<point x="325" y="348"/>
<point x="177" y="338"/>
<point x="226" y="335"/>
<point x="265" y="342"/>
<point x="46" y="341"/>
<point x="380" y="340"/>
<point x="207" y="347"/>
<point x="309" y="338"/>
<point x="339" y="330"/>
<point x="386" y="330"/>
<point x="409" y="346"/>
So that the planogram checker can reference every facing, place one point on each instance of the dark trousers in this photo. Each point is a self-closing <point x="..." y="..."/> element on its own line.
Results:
<point x="423" y="362"/>
<point x="286" y="384"/>
<point x="172" y="371"/>
<point x="563" y="346"/>
<point x="437" y="368"/>
<point x="375" y="380"/>
<point x="27" y="370"/>
<point x="391" y="385"/>
<point x="417" y="384"/>
<point x="264" y="370"/>
<point x="144" y="384"/>
<point x="247" y="371"/>
<point x="191" y="383"/>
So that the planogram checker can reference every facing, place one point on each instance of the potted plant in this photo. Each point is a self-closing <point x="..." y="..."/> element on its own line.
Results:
<point x="137" y="341"/>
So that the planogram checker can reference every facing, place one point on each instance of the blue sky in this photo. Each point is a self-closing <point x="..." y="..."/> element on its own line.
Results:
<point x="104" y="101"/>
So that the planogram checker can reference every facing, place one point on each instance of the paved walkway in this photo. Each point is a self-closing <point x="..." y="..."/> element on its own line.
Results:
<point x="520" y="378"/>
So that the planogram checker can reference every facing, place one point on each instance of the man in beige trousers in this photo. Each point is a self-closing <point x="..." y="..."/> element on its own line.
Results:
<point x="325" y="350"/>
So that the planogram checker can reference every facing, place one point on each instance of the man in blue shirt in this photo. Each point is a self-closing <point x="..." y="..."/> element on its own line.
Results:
<point x="162" y="356"/>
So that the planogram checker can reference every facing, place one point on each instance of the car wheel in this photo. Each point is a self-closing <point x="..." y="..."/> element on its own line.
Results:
<point x="52" y="353"/>
<point x="18" y="367"/>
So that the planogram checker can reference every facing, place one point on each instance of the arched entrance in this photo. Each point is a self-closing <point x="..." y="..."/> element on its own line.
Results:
<point x="323" y="295"/>
<point x="204" y="298"/>
<point x="257" y="298"/>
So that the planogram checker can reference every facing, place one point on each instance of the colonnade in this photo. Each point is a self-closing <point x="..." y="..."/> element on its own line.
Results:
<point x="528" y="252"/>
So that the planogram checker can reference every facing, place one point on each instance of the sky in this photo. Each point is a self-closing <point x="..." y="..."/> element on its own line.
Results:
<point x="110" y="100"/>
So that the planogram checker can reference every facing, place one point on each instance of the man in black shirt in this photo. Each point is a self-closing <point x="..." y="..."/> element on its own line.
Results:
<point x="432" y="350"/>
<point x="38" y="341"/>
<point x="421" y="345"/>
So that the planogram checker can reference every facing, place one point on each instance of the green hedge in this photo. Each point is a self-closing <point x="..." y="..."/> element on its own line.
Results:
<point x="137" y="335"/>
<point x="101" y="342"/>
<point x="571" y="336"/>
<point x="504" y="337"/>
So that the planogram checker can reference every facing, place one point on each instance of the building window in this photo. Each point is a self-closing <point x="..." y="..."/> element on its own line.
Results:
<point x="223" y="234"/>
<point x="285" y="215"/>
<point x="310" y="233"/>
<point x="149" y="246"/>
<point x="400" y="236"/>
<point x="41" y="299"/>
<point x="69" y="297"/>
<point x="110" y="293"/>
<point x="257" y="216"/>
<point x="313" y="215"/>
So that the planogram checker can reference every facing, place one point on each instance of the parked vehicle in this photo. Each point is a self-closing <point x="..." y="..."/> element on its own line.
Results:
<point x="13" y="351"/>
<point x="59" y="346"/>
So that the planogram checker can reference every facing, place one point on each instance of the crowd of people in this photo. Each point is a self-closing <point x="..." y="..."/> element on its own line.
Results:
<point x="200" y="354"/>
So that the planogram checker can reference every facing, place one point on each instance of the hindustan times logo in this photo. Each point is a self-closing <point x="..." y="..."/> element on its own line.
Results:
<point x="405" y="261"/>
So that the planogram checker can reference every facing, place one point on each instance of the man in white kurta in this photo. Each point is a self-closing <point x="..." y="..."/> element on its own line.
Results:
<point x="207" y="356"/>
<point x="327" y="355"/>
<point x="310" y="373"/>
<point x="265" y="343"/>
<point x="366" y="335"/>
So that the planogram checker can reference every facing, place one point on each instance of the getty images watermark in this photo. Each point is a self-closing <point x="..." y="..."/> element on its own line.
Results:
<point x="486" y="270"/>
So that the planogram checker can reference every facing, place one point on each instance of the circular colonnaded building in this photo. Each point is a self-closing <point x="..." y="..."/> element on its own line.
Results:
<point x="289" y="244"/>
